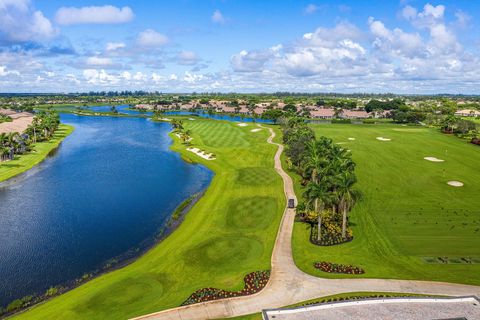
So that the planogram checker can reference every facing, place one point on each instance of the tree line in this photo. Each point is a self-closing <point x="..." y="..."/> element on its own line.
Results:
<point x="42" y="128"/>
<point x="328" y="175"/>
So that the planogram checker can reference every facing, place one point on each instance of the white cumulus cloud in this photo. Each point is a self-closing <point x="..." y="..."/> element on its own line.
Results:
<point x="187" y="58"/>
<point x="151" y="38"/>
<point x="112" y="46"/>
<point x="4" y="72"/>
<point x="99" y="61"/>
<point x="20" y="22"/>
<point x="93" y="15"/>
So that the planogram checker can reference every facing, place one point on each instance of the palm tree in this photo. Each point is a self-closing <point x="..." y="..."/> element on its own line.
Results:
<point x="319" y="194"/>
<point x="315" y="160"/>
<point x="347" y="196"/>
<point x="34" y="126"/>
<point x="185" y="135"/>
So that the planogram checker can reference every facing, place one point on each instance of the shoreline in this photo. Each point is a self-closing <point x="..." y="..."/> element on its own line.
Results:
<point x="126" y="258"/>
<point x="24" y="162"/>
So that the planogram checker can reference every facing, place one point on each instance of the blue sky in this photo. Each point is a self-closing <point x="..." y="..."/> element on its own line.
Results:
<point x="242" y="46"/>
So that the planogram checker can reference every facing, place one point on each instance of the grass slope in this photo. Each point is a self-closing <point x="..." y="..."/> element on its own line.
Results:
<point x="22" y="163"/>
<point x="408" y="211"/>
<point x="227" y="234"/>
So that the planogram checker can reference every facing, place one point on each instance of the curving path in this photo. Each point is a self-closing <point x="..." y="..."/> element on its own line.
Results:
<point x="289" y="285"/>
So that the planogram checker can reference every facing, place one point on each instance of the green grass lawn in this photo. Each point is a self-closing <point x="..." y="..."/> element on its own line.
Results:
<point x="408" y="212"/>
<point x="21" y="163"/>
<point x="474" y="119"/>
<point x="228" y="233"/>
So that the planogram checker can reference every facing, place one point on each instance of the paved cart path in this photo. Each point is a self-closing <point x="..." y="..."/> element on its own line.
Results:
<point x="289" y="285"/>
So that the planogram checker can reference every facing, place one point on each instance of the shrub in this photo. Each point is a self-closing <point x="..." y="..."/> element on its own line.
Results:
<point x="254" y="282"/>
<point x="14" y="305"/>
<point x="337" y="268"/>
<point x="340" y="121"/>
<point x="51" y="291"/>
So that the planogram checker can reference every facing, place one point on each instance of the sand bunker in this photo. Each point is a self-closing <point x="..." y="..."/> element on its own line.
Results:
<point x="191" y="119"/>
<point x="242" y="124"/>
<point x="351" y="139"/>
<point x="433" y="159"/>
<point x="165" y="119"/>
<point x="383" y="139"/>
<point x="455" y="183"/>
<point x="202" y="154"/>
<point x="255" y="130"/>
<point x="340" y="142"/>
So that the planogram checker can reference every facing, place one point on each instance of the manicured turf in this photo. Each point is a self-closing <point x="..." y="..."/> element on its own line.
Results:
<point x="230" y="232"/>
<point x="408" y="212"/>
<point x="22" y="163"/>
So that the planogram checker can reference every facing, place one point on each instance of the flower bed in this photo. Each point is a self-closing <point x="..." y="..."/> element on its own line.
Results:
<point x="331" y="235"/>
<point x="476" y="141"/>
<point x="254" y="282"/>
<point x="337" y="268"/>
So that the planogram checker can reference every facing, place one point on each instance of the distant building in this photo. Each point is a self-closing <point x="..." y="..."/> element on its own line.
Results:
<point x="322" y="113"/>
<point x="354" y="114"/>
<point x="329" y="113"/>
<point x="468" y="113"/>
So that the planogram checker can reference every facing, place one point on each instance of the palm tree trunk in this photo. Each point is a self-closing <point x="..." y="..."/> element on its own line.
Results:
<point x="319" y="228"/>
<point x="344" y="221"/>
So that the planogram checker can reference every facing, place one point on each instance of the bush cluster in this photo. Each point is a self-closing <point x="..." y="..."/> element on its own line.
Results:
<point x="338" y="268"/>
<point x="254" y="282"/>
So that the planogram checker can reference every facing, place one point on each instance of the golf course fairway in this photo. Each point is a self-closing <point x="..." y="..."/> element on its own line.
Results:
<point x="228" y="233"/>
<point x="409" y="216"/>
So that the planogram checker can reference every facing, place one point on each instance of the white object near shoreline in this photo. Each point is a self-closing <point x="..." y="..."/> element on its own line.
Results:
<point x="255" y="130"/>
<point x="242" y="124"/>
<point x="351" y="139"/>
<point x="202" y="154"/>
<point x="433" y="159"/>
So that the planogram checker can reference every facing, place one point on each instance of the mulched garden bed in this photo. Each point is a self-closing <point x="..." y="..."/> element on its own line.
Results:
<point x="328" y="239"/>
<point x="254" y="282"/>
<point x="337" y="268"/>
<point x="476" y="141"/>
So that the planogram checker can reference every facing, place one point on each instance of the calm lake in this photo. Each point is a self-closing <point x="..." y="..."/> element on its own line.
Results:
<point x="111" y="185"/>
<point x="124" y="109"/>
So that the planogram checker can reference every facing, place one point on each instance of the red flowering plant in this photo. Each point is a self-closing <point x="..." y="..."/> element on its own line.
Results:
<point x="337" y="268"/>
<point x="254" y="282"/>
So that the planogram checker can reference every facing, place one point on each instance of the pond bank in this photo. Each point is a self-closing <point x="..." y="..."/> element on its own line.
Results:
<point x="24" y="162"/>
